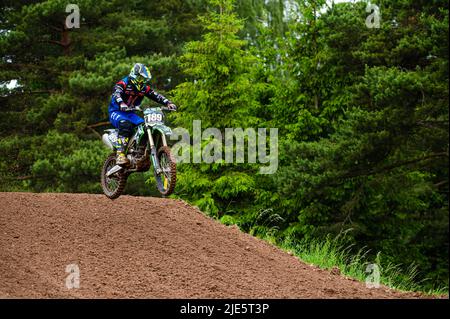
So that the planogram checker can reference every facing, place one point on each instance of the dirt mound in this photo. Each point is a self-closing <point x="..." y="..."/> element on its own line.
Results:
<point x="147" y="248"/>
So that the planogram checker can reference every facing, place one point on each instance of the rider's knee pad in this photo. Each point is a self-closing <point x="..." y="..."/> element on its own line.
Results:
<point x="125" y="128"/>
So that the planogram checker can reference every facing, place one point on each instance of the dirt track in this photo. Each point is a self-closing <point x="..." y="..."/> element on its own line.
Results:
<point x="138" y="247"/>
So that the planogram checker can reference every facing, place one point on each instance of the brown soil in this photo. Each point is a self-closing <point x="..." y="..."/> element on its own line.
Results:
<point x="139" y="247"/>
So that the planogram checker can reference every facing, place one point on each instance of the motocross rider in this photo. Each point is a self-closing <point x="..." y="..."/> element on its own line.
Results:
<point x="129" y="93"/>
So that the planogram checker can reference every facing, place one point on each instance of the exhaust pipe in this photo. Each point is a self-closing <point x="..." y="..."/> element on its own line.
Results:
<point x="107" y="142"/>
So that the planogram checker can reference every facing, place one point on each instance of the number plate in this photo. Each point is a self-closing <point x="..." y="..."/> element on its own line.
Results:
<point x="154" y="117"/>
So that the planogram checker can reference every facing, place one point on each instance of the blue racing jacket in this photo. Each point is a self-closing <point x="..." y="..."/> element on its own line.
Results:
<point x="125" y="91"/>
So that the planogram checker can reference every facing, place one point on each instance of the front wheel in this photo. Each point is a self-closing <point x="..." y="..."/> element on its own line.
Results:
<point x="114" y="185"/>
<point x="167" y="178"/>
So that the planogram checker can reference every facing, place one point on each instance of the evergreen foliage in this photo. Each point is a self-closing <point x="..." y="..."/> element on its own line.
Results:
<point x="362" y="115"/>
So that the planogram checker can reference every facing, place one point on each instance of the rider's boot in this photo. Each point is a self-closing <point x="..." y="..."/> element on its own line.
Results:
<point x="121" y="158"/>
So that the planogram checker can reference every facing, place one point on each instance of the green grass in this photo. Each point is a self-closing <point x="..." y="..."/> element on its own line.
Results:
<point x="331" y="253"/>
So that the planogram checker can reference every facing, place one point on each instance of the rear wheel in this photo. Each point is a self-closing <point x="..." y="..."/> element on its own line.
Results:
<point x="114" y="185"/>
<point x="166" y="180"/>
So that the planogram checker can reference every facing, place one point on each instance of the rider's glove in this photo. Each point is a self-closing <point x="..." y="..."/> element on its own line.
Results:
<point x="124" y="107"/>
<point x="172" y="106"/>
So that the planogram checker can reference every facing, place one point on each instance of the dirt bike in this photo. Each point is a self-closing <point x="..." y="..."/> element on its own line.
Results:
<point x="147" y="147"/>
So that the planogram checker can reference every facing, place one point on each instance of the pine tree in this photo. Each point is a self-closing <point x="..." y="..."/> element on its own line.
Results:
<point x="219" y="91"/>
<point x="375" y="154"/>
<point x="65" y="75"/>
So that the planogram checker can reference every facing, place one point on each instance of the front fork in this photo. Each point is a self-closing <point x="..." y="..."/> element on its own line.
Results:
<point x="153" y="151"/>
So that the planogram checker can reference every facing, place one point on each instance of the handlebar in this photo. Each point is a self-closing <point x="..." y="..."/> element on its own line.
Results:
<point x="138" y="108"/>
<point x="164" y="108"/>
